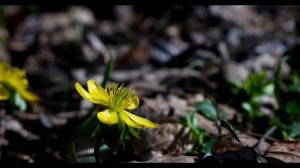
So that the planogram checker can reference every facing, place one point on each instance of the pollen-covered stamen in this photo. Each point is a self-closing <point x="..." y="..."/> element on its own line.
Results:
<point x="121" y="97"/>
<point x="116" y="94"/>
<point x="129" y="99"/>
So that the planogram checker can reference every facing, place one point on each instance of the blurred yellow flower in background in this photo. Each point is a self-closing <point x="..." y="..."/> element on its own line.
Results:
<point x="118" y="100"/>
<point x="14" y="79"/>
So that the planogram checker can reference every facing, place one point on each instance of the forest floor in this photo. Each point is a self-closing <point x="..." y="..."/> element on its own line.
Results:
<point x="215" y="78"/>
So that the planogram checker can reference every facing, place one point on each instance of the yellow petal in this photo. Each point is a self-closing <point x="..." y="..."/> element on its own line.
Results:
<point x="97" y="92"/>
<point x="108" y="117"/>
<point x="85" y="94"/>
<point x="28" y="95"/>
<point x="135" y="103"/>
<point x="4" y="94"/>
<point x="128" y="121"/>
<point x="141" y="121"/>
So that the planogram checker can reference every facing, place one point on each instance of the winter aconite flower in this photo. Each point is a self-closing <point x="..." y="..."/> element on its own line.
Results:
<point x="117" y="99"/>
<point x="13" y="80"/>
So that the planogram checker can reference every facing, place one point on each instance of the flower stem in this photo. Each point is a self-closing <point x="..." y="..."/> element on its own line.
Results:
<point x="97" y="153"/>
<point x="78" y="130"/>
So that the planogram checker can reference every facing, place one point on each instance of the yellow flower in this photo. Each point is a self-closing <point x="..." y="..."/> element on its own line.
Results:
<point x="12" y="78"/>
<point x="117" y="99"/>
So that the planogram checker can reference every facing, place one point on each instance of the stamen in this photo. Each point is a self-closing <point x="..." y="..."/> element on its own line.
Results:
<point x="120" y="96"/>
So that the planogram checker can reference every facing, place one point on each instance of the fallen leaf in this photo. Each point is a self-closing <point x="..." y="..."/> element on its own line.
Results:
<point x="168" y="138"/>
<point x="230" y="112"/>
<point x="239" y="14"/>
<point x="228" y="143"/>
<point x="11" y="124"/>
<point x="137" y="55"/>
<point x="235" y="71"/>
<point x="286" y="151"/>
<point x="245" y="154"/>
<point x="82" y="15"/>
<point x="170" y="159"/>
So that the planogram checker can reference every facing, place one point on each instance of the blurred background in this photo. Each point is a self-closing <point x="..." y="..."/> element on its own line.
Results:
<point x="175" y="57"/>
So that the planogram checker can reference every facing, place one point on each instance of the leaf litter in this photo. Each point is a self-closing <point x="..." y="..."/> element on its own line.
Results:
<point x="190" y="66"/>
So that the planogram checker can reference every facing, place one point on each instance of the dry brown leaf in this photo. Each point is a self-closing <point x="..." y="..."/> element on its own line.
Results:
<point x="227" y="144"/>
<point x="170" y="159"/>
<point x="168" y="138"/>
<point x="239" y="14"/>
<point x="82" y="15"/>
<point x="3" y="141"/>
<point x="161" y="74"/>
<point x="235" y="71"/>
<point x="50" y="21"/>
<point x="209" y="126"/>
<point x="145" y="88"/>
<point x="230" y="144"/>
<point x="286" y="151"/>
<point x="179" y="104"/>
<point x="154" y="109"/>
<point x="11" y="124"/>
<point x="159" y="108"/>
<point x="4" y="54"/>
<point x="192" y="99"/>
<point x="131" y="75"/>
<point x="231" y="112"/>
<point x="138" y="54"/>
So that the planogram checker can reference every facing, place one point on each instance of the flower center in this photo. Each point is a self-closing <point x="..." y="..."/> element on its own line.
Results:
<point x="120" y="97"/>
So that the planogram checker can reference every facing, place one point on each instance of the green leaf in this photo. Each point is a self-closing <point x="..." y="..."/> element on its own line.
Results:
<point x="194" y="64"/>
<point x="230" y="128"/>
<point x="88" y="127"/>
<point x="293" y="109"/>
<point x="295" y="85"/>
<point x="110" y="155"/>
<point x="87" y="159"/>
<point x="134" y="132"/>
<point x="285" y="135"/>
<point x="247" y="106"/>
<point x="277" y="81"/>
<point x="261" y="159"/>
<point x="235" y="86"/>
<point x="209" y="145"/>
<point x="72" y="150"/>
<point x="269" y="89"/>
<point x="19" y="102"/>
<point x="207" y="109"/>
<point x="97" y="131"/>
<point x="80" y="132"/>
<point x="191" y="120"/>
<point x="235" y="83"/>
<point x="278" y="123"/>
<point x="294" y="130"/>
<point x="197" y="133"/>
<point x="255" y="83"/>
<point x="2" y="17"/>
<point x="251" y="109"/>
<point x="108" y="69"/>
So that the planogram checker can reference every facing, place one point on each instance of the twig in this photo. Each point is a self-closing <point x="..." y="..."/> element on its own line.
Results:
<point x="265" y="136"/>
